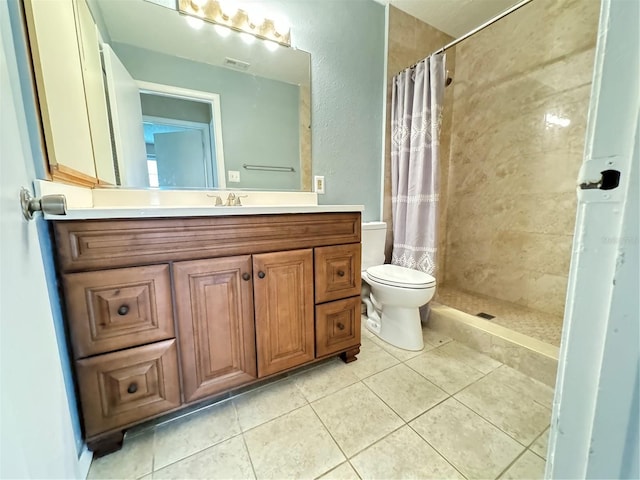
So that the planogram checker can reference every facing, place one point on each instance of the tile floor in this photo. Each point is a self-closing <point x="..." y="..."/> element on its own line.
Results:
<point x="543" y="326"/>
<point x="445" y="412"/>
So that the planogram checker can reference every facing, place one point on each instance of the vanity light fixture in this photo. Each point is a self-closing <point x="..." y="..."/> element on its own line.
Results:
<point x="225" y="13"/>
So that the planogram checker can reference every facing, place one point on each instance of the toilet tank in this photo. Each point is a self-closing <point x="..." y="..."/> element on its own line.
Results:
<point x="374" y="235"/>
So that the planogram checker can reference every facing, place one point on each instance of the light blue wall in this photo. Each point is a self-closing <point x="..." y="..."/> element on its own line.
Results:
<point x="270" y="113"/>
<point x="346" y="42"/>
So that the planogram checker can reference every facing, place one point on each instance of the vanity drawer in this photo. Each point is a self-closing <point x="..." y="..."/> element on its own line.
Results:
<point x="337" y="326"/>
<point x="119" y="388"/>
<point x="337" y="272"/>
<point x="115" y="309"/>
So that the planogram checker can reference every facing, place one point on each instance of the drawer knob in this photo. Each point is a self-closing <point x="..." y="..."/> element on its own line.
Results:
<point x="133" y="388"/>
<point x="246" y="277"/>
<point x="261" y="274"/>
<point x="341" y="273"/>
<point x="340" y="326"/>
<point x="123" y="310"/>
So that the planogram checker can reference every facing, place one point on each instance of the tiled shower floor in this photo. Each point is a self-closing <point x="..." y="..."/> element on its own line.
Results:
<point x="445" y="412"/>
<point x="542" y="326"/>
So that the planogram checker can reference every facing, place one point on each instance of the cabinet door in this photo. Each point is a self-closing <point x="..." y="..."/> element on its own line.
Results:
<point x="94" y="93"/>
<point x="60" y="85"/>
<point x="214" y="304"/>
<point x="283" y="292"/>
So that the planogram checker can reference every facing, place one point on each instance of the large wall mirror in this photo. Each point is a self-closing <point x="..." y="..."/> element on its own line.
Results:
<point x="189" y="104"/>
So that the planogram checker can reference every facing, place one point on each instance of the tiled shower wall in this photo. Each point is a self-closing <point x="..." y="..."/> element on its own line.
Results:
<point x="521" y="95"/>
<point x="411" y="40"/>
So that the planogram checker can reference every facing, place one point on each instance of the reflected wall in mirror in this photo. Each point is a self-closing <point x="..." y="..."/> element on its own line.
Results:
<point x="260" y="115"/>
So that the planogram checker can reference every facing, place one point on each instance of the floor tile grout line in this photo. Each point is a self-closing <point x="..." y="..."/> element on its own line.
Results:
<point x="453" y="395"/>
<point x="277" y="416"/>
<point x="441" y="388"/>
<point x="354" y="469"/>
<point x="194" y="453"/>
<point x="380" y="371"/>
<point x="524" y="447"/>
<point x="375" y="442"/>
<point x="363" y="449"/>
<point x="274" y="418"/>
<point x="530" y="378"/>
<point x="438" y="451"/>
<point x="512" y="463"/>
<point x="489" y="421"/>
<point x="465" y="363"/>
<point x="246" y="447"/>
<point x="536" y="439"/>
<point x="383" y="401"/>
<point x="346" y="457"/>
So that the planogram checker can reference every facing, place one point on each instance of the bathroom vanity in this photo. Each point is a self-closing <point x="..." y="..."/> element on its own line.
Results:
<point x="167" y="312"/>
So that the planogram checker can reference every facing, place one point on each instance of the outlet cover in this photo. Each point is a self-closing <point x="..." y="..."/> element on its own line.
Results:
<point x="234" y="176"/>
<point x="318" y="184"/>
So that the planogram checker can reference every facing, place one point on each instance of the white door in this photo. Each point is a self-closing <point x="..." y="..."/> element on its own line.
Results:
<point x="126" y="121"/>
<point x="181" y="159"/>
<point x="596" y="416"/>
<point x="35" y="425"/>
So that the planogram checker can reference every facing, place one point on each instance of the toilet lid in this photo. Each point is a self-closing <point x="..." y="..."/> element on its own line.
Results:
<point x="397" y="276"/>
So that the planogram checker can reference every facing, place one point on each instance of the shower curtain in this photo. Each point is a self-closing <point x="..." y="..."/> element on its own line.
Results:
<point x="416" y="117"/>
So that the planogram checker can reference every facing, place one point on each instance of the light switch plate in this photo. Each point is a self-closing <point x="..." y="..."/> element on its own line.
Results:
<point x="234" y="176"/>
<point x="318" y="184"/>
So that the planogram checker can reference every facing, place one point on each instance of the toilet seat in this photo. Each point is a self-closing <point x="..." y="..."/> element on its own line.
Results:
<point x="397" y="276"/>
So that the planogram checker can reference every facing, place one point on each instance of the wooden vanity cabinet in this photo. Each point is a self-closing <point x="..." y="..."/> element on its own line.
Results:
<point x="166" y="312"/>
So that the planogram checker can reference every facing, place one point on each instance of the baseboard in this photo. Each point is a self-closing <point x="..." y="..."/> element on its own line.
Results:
<point x="84" y="462"/>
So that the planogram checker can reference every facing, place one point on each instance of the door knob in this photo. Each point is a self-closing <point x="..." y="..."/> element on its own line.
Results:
<point x="52" y="204"/>
<point x="341" y="273"/>
<point x="133" y="388"/>
<point x="123" y="310"/>
<point x="261" y="274"/>
<point x="246" y="277"/>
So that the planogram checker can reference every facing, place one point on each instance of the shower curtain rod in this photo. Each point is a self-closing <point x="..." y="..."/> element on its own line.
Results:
<point x="475" y="30"/>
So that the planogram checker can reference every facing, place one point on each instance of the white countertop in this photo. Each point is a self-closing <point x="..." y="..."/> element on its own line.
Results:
<point x="195" y="211"/>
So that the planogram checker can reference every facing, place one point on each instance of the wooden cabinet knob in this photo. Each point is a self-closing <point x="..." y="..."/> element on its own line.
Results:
<point x="261" y="274"/>
<point x="340" y="326"/>
<point x="133" y="388"/>
<point x="341" y="273"/>
<point x="246" y="277"/>
<point x="123" y="310"/>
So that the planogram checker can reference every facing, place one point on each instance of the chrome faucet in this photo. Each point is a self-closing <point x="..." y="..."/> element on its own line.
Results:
<point x="218" y="201"/>
<point x="233" y="200"/>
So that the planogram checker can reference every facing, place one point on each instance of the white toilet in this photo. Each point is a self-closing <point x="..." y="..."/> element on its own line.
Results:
<point x="392" y="294"/>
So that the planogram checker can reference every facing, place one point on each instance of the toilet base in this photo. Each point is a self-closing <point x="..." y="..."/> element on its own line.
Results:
<point x="400" y="327"/>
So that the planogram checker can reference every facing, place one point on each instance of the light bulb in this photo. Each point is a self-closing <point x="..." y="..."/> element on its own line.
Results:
<point x="256" y="17"/>
<point x="227" y="9"/>
<point x="281" y="25"/>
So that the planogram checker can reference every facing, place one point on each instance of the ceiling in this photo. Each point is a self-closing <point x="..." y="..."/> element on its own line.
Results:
<point x="455" y="17"/>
